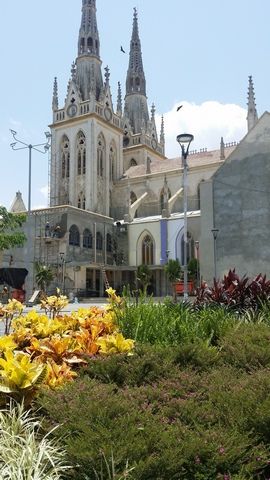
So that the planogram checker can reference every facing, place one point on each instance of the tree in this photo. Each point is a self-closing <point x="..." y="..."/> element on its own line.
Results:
<point x="144" y="276"/>
<point x="173" y="270"/>
<point x="44" y="276"/>
<point x="10" y="234"/>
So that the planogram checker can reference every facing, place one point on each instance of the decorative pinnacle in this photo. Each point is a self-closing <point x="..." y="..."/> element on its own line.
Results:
<point x="153" y="111"/>
<point x="222" y="149"/>
<point x="107" y="76"/>
<point x="55" y="104"/>
<point x="119" y="100"/>
<point x="162" y="131"/>
<point x="73" y="71"/>
<point x="252" y="116"/>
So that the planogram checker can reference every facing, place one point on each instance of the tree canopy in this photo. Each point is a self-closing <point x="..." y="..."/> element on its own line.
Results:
<point x="10" y="233"/>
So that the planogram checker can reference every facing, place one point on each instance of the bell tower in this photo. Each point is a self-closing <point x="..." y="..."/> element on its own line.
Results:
<point x="87" y="135"/>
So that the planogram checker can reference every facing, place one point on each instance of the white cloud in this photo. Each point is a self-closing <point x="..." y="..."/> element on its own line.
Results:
<point x="208" y="122"/>
<point x="45" y="191"/>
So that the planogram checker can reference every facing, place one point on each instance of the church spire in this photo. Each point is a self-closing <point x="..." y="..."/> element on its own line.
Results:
<point x="135" y="76"/>
<point x="88" y="63"/>
<point x="136" y="107"/>
<point x="88" y="36"/>
<point x="252" y="116"/>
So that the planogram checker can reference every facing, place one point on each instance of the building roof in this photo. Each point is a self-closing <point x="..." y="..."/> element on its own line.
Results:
<point x="195" y="159"/>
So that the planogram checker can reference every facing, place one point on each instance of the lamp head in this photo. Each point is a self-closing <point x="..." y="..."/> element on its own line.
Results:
<point x="184" y="140"/>
<point x="215" y="232"/>
<point x="13" y="144"/>
<point x="13" y="132"/>
<point x="48" y="135"/>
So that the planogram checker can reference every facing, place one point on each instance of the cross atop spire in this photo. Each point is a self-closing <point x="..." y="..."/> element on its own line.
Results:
<point x="252" y="116"/>
<point x="135" y="77"/>
<point x="89" y="37"/>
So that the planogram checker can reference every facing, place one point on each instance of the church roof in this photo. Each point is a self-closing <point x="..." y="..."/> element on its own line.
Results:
<point x="196" y="159"/>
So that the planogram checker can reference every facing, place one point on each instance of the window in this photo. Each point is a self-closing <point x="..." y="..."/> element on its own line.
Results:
<point x="147" y="251"/>
<point x="87" y="239"/>
<point x="99" y="241"/>
<point x="133" y="162"/>
<point x="112" y="162"/>
<point x="109" y="242"/>
<point x="65" y="156"/>
<point x="74" y="236"/>
<point x="81" y="153"/>
<point x="100" y="156"/>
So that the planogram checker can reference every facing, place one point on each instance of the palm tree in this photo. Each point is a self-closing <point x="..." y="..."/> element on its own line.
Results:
<point x="173" y="270"/>
<point x="44" y="276"/>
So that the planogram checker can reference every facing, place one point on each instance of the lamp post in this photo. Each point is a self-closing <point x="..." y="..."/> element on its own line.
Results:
<point x="20" y="145"/>
<point x="62" y="263"/>
<point x="215" y="235"/>
<point x="184" y="141"/>
<point x="197" y="246"/>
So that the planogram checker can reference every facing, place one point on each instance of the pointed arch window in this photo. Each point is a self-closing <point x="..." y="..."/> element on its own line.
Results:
<point x="133" y="162"/>
<point x="100" y="156"/>
<point x="99" y="241"/>
<point x="147" y="250"/>
<point x="74" y="236"/>
<point x="65" y="157"/>
<point x="81" y="153"/>
<point x="87" y="239"/>
<point x="112" y="162"/>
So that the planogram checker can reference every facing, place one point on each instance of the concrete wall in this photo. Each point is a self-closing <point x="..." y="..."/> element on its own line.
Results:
<point x="241" y="206"/>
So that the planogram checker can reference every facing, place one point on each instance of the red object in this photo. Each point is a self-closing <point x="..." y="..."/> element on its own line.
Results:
<point x="19" y="295"/>
<point x="179" y="287"/>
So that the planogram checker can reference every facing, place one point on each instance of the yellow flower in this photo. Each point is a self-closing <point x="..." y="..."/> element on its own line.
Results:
<point x="18" y="372"/>
<point x="13" y="307"/>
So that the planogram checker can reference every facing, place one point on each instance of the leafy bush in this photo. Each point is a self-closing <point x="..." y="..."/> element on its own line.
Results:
<point x="236" y="293"/>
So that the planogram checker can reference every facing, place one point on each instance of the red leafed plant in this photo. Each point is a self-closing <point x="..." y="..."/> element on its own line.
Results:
<point x="235" y="292"/>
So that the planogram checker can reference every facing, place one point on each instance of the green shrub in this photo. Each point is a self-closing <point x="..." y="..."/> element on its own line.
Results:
<point x="247" y="346"/>
<point x="187" y="424"/>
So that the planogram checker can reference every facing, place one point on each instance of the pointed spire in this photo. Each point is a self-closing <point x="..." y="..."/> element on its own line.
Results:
<point x="88" y="62"/>
<point x="119" y="100"/>
<point x="88" y="43"/>
<point x="252" y="116"/>
<point x="55" y="103"/>
<point x="222" y="149"/>
<point x="162" y="132"/>
<point x="135" y="76"/>
<point x="136" y="108"/>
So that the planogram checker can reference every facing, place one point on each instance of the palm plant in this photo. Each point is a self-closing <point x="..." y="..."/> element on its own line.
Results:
<point x="44" y="276"/>
<point x="173" y="270"/>
<point x="144" y="277"/>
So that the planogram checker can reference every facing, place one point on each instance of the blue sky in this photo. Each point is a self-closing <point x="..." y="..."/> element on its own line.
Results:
<point x="198" y="52"/>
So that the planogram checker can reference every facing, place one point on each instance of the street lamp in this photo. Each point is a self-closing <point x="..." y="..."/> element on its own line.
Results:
<point x="46" y="146"/>
<point x="197" y="246"/>
<point x="38" y="148"/>
<point x="184" y="141"/>
<point x="215" y="235"/>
